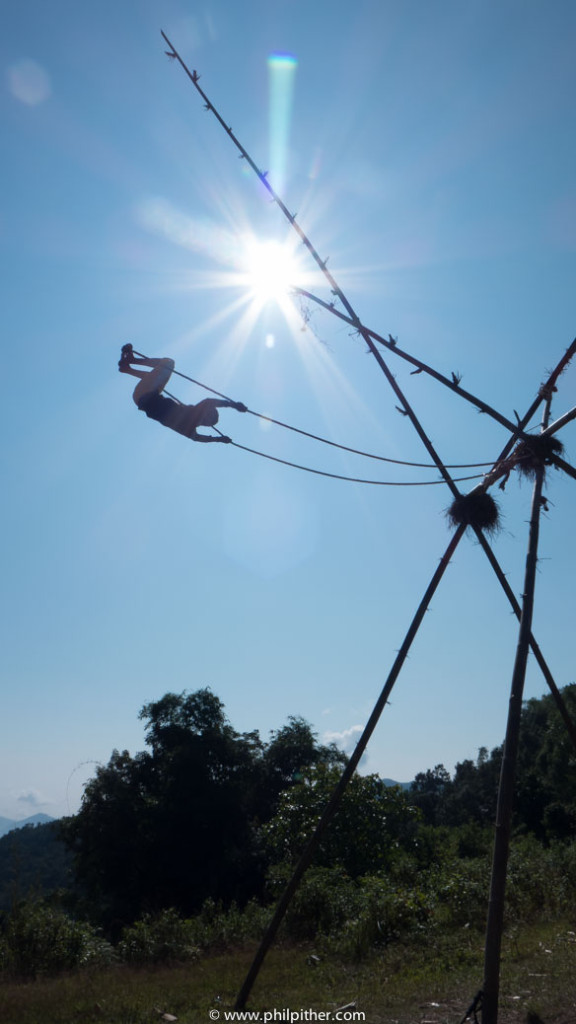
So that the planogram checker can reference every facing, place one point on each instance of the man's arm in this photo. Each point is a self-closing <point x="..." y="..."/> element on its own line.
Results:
<point x="207" y="439"/>
<point x="225" y="404"/>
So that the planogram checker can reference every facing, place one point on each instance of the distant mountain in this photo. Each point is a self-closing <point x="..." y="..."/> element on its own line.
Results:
<point x="8" y="824"/>
<point x="392" y="782"/>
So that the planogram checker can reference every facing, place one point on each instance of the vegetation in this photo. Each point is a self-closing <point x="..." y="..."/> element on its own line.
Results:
<point x="33" y="858"/>
<point x="402" y="983"/>
<point x="179" y="853"/>
<point x="546" y="783"/>
<point x="180" y="823"/>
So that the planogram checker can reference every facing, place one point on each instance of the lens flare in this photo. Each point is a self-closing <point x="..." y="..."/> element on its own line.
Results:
<point x="271" y="271"/>
<point x="282" y="70"/>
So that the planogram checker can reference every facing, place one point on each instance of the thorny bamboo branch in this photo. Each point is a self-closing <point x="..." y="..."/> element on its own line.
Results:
<point x="322" y="264"/>
<point x="423" y="367"/>
<point x="352" y="316"/>
<point x="504" y="465"/>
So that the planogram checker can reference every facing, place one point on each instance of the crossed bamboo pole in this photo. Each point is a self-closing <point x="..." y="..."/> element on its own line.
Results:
<point x="454" y="385"/>
<point x="495" y="921"/>
<point x="526" y="640"/>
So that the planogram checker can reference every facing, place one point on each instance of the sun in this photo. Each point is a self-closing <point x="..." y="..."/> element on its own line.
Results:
<point x="271" y="271"/>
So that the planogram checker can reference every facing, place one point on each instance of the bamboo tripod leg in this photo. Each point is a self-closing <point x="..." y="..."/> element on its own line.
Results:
<point x="333" y="803"/>
<point x="495" y="921"/>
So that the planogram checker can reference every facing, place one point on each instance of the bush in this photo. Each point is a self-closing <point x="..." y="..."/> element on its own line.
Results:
<point x="354" y="915"/>
<point x="216" y="928"/>
<point x="324" y="901"/>
<point x="37" y="939"/>
<point x="169" y="938"/>
<point x="159" y="939"/>
<point x="460" y="890"/>
<point x="385" y="912"/>
<point x="541" y="880"/>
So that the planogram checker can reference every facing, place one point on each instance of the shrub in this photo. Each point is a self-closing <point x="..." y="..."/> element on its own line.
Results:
<point x="169" y="938"/>
<point x="540" y="880"/>
<point x="158" y="939"/>
<point x="324" y="900"/>
<point x="385" y="913"/>
<point x="460" y="890"/>
<point x="216" y="928"/>
<point x="37" y="939"/>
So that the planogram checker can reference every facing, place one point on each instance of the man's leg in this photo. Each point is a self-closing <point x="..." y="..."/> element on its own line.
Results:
<point x="153" y="381"/>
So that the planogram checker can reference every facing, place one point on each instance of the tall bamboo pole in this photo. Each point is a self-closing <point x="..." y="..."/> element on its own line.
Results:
<point x="335" y="799"/>
<point x="495" y="921"/>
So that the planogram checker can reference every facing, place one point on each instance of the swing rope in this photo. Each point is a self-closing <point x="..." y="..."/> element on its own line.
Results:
<point x="324" y="440"/>
<point x="338" y="476"/>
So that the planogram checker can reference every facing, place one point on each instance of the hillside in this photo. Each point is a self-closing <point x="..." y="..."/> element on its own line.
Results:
<point x="9" y="824"/>
<point x="33" y="859"/>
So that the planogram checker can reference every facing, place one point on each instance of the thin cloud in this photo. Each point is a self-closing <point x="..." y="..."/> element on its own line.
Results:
<point x="345" y="739"/>
<point x="33" y="798"/>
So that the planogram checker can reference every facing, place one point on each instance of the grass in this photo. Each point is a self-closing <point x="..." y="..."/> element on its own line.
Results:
<point x="402" y="985"/>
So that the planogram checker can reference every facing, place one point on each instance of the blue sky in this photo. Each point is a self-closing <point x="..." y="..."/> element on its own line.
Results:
<point x="430" y="153"/>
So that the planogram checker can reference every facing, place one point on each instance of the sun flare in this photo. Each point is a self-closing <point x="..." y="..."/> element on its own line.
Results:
<point x="271" y="270"/>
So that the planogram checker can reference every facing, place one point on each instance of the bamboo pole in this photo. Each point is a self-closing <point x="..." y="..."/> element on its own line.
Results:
<point x="352" y="317"/>
<point x="560" y="422"/>
<point x="503" y="465"/>
<point x="495" y="921"/>
<point x="322" y="264"/>
<point x="517" y="429"/>
<point x="334" y="802"/>
<point x="452" y="384"/>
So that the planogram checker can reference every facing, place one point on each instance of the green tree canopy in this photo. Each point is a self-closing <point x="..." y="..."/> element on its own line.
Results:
<point x="179" y="822"/>
<point x="373" y="822"/>
<point x="545" y="803"/>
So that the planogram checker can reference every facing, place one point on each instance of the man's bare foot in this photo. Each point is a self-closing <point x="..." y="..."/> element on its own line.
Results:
<point x="126" y="358"/>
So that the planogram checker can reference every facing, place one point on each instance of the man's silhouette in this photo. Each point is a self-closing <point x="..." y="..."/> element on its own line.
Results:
<point x="182" y="418"/>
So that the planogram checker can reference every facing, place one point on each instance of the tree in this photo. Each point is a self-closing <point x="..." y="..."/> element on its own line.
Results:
<point x="291" y="751"/>
<point x="180" y="822"/>
<point x="373" y="823"/>
<point x="546" y="791"/>
<point x="109" y="837"/>
<point x="545" y="801"/>
<point x="428" y="792"/>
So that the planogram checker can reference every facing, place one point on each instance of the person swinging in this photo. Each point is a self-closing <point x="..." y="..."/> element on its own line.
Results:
<point x="184" y="419"/>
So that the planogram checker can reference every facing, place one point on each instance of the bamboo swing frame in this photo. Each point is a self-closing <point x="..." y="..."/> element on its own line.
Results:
<point x="489" y="998"/>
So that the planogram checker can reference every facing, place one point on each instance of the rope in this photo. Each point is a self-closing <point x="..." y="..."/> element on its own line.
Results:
<point x="369" y="455"/>
<point x="333" y="444"/>
<point x="338" y="476"/>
